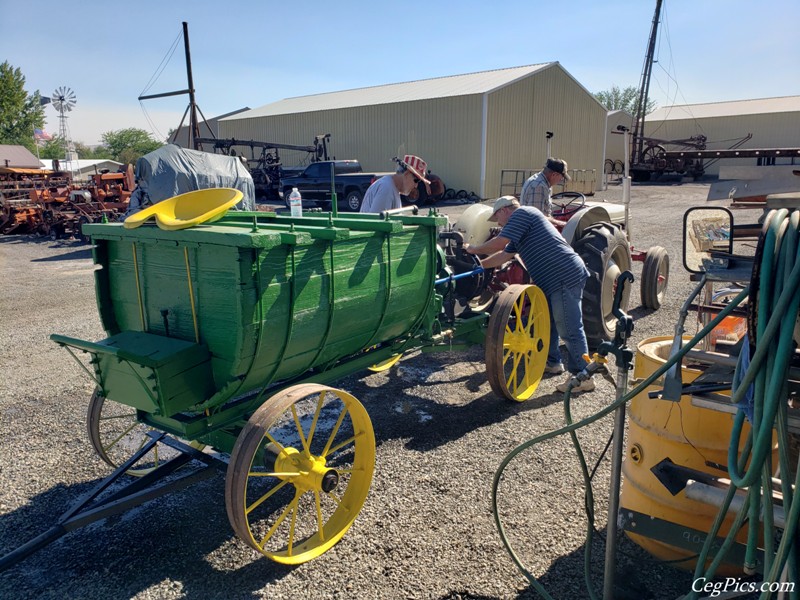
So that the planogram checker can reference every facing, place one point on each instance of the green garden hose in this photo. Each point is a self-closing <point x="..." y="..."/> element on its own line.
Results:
<point x="776" y="300"/>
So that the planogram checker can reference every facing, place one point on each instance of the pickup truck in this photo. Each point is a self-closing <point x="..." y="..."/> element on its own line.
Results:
<point x="314" y="184"/>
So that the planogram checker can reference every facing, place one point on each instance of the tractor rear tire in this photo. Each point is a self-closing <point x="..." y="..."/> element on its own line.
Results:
<point x="606" y="253"/>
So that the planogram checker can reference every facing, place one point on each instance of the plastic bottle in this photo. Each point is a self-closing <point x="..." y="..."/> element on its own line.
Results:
<point x="296" y="203"/>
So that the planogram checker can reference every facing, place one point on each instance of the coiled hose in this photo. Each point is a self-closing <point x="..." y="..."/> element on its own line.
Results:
<point x="776" y="306"/>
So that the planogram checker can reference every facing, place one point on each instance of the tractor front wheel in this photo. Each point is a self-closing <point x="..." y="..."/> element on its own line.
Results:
<point x="655" y="276"/>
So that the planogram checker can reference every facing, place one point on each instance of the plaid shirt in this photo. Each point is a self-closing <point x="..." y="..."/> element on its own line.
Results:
<point x="536" y="193"/>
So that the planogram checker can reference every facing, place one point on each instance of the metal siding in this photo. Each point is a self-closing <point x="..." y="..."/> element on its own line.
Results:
<point x="615" y="142"/>
<point x="395" y="93"/>
<point x="520" y="114"/>
<point x="775" y="130"/>
<point x="733" y="108"/>
<point x="446" y="132"/>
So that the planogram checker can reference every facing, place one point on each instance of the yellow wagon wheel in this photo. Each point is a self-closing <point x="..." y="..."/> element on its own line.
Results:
<point x="300" y="472"/>
<point x="116" y="434"/>
<point x="517" y="340"/>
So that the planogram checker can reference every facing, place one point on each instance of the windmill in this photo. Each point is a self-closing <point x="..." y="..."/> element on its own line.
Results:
<point x="64" y="101"/>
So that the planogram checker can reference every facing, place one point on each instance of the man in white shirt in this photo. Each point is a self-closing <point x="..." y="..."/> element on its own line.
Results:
<point x="385" y="193"/>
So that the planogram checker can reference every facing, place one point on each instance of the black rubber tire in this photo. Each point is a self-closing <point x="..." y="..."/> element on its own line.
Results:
<point x="656" y="264"/>
<point x="286" y="193"/>
<point x="352" y="200"/>
<point x="606" y="253"/>
<point x="82" y="220"/>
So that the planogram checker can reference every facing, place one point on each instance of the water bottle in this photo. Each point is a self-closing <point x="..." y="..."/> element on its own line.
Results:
<point x="296" y="203"/>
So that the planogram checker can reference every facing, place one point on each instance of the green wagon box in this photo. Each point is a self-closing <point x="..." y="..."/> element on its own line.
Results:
<point x="225" y="333"/>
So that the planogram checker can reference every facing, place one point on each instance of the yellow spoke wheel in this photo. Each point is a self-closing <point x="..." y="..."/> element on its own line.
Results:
<point x="300" y="472"/>
<point x="517" y="340"/>
<point x="116" y="434"/>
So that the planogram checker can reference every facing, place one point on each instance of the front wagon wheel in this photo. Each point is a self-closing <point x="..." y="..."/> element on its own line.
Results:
<point x="300" y="472"/>
<point x="116" y="434"/>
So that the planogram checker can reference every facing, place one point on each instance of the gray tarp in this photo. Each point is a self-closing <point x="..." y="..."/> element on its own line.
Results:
<point x="172" y="170"/>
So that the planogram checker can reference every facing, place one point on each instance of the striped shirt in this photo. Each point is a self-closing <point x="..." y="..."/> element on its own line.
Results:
<point x="550" y="261"/>
<point x="536" y="193"/>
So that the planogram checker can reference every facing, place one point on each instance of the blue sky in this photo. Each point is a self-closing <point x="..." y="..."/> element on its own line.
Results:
<point x="251" y="53"/>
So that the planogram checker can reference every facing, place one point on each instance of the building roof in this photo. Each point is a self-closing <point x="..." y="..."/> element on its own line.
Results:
<point x="424" y="89"/>
<point x="81" y="164"/>
<point x="18" y="156"/>
<point x="726" y="109"/>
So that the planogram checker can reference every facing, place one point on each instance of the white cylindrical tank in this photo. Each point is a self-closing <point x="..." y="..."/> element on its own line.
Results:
<point x="474" y="224"/>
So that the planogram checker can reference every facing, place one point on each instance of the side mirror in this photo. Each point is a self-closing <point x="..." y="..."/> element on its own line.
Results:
<point x="705" y="230"/>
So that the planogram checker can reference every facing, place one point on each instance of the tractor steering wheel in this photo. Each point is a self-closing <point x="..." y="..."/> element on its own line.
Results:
<point x="571" y="202"/>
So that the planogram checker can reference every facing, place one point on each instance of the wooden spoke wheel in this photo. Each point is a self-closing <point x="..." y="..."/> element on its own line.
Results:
<point x="655" y="277"/>
<point x="116" y="434"/>
<point x="300" y="472"/>
<point x="517" y="342"/>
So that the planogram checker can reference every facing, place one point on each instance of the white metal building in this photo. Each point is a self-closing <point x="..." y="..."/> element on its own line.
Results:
<point x="774" y="123"/>
<point x="83" y="168"/>
<point x="467" y="127"/>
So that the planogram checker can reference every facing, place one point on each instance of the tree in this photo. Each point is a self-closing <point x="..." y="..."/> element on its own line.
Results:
<point x="100" y="152"/>
<point x="53" y="148"/>
<point x="623" y="99"/>
<point x="127" y="145"/>
<point x="20" y="112"/>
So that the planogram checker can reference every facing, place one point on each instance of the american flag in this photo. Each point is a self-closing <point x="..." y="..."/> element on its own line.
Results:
<point x="41" y="134"/>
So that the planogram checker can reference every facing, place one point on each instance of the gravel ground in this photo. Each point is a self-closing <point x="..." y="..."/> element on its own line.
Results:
<point x="426" y="530"/>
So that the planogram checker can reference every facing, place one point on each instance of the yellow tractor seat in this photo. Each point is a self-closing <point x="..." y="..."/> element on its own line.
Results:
<point x="187" y="210"/>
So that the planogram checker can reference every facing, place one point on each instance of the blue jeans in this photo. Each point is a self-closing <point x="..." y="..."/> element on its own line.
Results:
<point x="566" y="322"/>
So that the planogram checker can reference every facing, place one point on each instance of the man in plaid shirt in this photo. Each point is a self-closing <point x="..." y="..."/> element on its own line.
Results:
<point x="536" y="190"/>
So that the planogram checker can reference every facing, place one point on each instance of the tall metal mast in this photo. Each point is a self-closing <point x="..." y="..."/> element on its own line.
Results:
<point x="192" y="109"/>
<point x="644" y="88"/>
<point x="194" y="129"/>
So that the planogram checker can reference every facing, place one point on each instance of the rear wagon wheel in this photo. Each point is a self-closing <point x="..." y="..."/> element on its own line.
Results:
<point x="300" y="472"/>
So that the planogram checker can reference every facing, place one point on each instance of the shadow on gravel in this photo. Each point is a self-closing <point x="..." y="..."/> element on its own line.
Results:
<point x="640" y="312"/>
<point x="399" y="406"/>
<point x="167" y="539"/>
<point x="83" y="253"/>
<point x="42" y="239"/>
<point x="638" y="576"/>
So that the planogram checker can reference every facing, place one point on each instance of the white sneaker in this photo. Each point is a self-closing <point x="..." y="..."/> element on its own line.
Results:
<point x="555" y="369"/>
<point x="585" y="386"/>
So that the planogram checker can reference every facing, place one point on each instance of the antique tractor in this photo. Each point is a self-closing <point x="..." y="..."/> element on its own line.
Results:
<point x="595" y="231"/>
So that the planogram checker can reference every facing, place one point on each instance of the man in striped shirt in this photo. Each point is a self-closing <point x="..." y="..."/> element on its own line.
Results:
<point x="536" y="189"/>
<point x="554" y="267"/>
